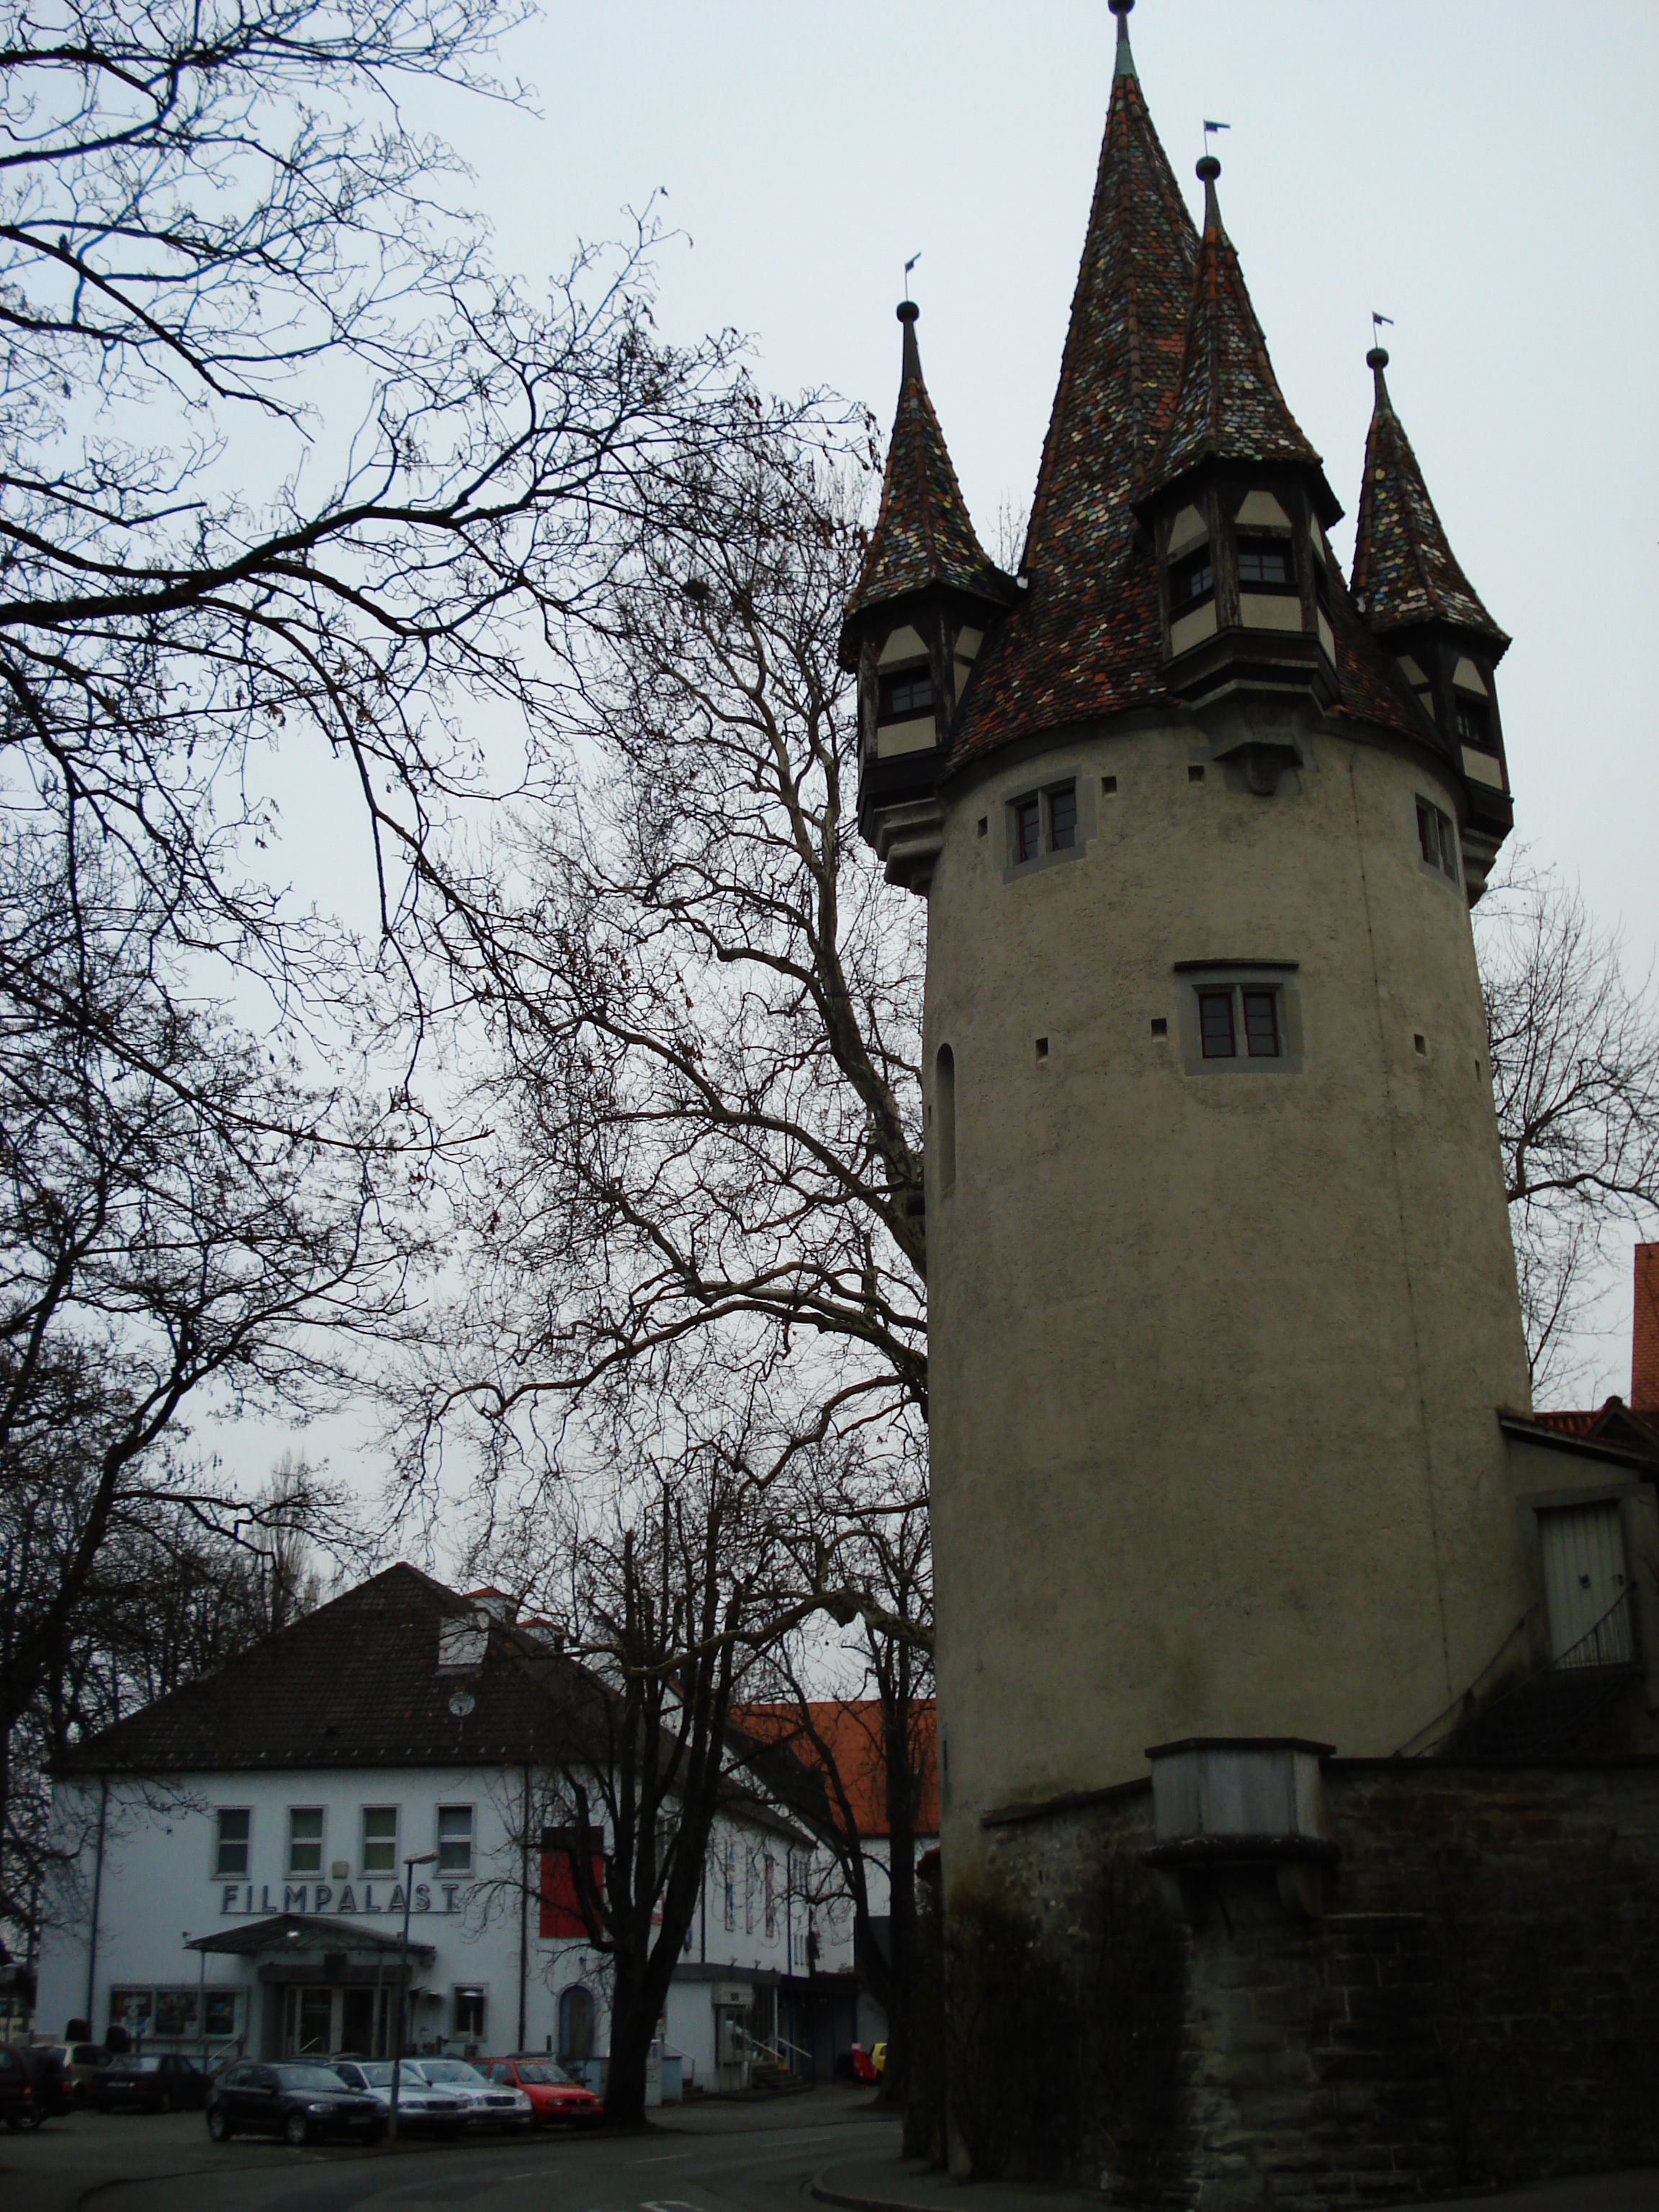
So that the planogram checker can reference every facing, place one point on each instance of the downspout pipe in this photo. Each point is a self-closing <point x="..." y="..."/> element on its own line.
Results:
<point x="523" y="1908"/>
<point x="97" y="1893"/>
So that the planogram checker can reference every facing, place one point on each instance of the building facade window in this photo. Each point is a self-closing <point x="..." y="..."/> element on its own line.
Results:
<point x="470" y="2012"/>
<point x="1215" y="1018"/>
<point x="305" y="1839"/>
<point x="944" y="1115"/>
<point x="576" y="2024"/>
<point x="1047" y="823"/>
<point x="232" y="1835"/>
<point x="454" y="1840"/>
<point x="1264" y="564"/>
<point x="379" y="1839"/>
<point x="1437" y="839"/>
<point x="1474" y="726"/>
<point x="905" y="693"/>
<point x="1192" y="579"/>
<point x="770" y="1873"/>
<point x="729" y="1874"/>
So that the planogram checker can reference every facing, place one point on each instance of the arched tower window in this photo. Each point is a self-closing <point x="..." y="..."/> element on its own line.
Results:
<point x="945" y="1114"/>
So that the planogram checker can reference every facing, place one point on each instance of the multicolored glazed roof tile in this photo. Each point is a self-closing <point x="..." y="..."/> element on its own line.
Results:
<point x="1404" y="571"/>
<point x="1228" y="405"/>
<point x="1084" y="639"/>
<point x="922" y="536"/>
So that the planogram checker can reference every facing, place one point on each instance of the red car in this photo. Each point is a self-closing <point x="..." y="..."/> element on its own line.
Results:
<point x="558" y="2100"/>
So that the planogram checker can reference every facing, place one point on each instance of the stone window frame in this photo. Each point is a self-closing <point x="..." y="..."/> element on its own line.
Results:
<point x="1451" y="879"/>
<point x="439" y="1838"/>
<point x="1083" y="786"/>
<point x="1278" y="977"/>
<point x="364" y="1839"/>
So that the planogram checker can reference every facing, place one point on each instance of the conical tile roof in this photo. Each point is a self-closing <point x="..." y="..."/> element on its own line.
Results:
<point x="922" y="535"/>
<point x="1228" y="405"/>
<point x="1084" y="639"/>
<point x="1404" y="569"/>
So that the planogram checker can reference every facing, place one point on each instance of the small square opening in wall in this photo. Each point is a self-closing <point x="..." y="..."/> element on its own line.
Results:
<point x="1160" y="1025"/>
<point x="984" y="824"/>
<point x="1108" y="784"/>
<point x="1195" y="773"/>
<point x="1042" y="1047"/>
<point x="1421" y="1043"/>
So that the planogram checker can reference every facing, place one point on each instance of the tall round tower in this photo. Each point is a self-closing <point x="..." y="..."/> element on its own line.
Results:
<point x="1222" y="1302"/>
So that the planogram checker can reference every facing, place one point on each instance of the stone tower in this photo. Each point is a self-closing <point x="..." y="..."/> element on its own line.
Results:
<point x="1222" y="1299"/>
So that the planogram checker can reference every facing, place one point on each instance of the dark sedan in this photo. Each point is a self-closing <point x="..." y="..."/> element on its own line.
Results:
<point x="167" y="2081"/>
<point x="298" y="2102"/>
<point x="34" y="2086"/>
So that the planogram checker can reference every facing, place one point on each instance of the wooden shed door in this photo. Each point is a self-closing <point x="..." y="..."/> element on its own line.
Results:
<point x="1584" y="1585"/>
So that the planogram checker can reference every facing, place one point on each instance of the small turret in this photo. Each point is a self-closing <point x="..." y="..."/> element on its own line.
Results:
<point x="1237" y="502"/>
<point x="913" y="626"/>
<point x="1419" y="604"/>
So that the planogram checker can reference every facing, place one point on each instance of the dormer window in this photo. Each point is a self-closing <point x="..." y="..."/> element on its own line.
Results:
<point x="905" y="693"/>
<point x="1264" y="565"/>
<point x="1191" y="579"/>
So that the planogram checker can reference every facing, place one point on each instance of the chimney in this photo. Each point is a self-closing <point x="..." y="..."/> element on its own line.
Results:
<point x="1644" y="1333"/>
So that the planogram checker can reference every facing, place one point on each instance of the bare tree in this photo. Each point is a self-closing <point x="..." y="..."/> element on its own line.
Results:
<point x="862" y="1731"/>
<point x="1574" y="1069"/>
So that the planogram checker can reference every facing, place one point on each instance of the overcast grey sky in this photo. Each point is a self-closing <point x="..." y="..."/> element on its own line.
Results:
<point x="1483" y="170"/>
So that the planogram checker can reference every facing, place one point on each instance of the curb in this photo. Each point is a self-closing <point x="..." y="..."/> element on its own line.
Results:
<point x="821" y="2189"/>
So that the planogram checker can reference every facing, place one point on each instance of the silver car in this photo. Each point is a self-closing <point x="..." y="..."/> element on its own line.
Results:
<point x="486" y="2103"/>
<point x="422" y="2110"/>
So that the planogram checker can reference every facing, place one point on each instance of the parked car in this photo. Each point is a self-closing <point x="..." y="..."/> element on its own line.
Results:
<point x="554" y="2099"/>
<point x="422" y="2110"/>
<point x="34" y="2084"/>
<point x="162" y="2081"/>
<point x="299" y="2102"/>
<point x="486" y="2103"/>
<point x="85" y="2063"/>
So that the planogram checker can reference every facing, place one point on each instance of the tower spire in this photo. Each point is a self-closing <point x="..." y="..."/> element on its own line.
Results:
<point x="1125" y="65"/>
<point x="1228" y="406"/>
<point x="1404" y="571"/>
<point x="923" y="536"/>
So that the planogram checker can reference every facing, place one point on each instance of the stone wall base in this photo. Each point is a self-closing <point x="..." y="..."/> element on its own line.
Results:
<point x="1474" y="1998"/>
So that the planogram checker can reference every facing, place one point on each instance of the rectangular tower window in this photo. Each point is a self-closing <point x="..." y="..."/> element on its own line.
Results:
<point x="1473" y="727"/>
<point x="1215" y="1017"/>
<point x="1025" y="830"/>
<point x="1437" y="838"/>
<point x="909" y="692"/>
<point x="1062" y="817"/>
<point x="1263" y="563"/>
<point x="454" y="1840"/>
<point x="1191" y="579"/>
<point x="1261" y="1024"/>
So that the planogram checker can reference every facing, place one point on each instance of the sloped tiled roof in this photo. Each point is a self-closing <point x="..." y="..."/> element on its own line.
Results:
<point x="357" y="1682"/>
<point x="922" y="535"/>
<point x="1228" y="405"/>
<point x="1613" y="1422"/>
<point x="1084" y="640"/>
<point x="848" y="1738"/>
<point x="1404" y="569"/>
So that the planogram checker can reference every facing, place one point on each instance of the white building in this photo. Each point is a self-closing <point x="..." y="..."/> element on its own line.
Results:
<point x="256" y="1840"/>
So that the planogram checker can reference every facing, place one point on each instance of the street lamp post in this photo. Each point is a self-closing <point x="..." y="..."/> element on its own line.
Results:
<point x="426" y="1858"/>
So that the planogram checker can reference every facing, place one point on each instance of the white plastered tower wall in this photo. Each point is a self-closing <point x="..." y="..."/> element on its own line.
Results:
<point x="1215" y="1355"/>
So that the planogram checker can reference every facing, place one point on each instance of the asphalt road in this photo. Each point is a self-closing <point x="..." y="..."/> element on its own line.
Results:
<point x="718" y="2158"/>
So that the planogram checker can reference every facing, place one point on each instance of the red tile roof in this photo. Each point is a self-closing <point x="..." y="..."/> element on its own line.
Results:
<point x="1228" y="405"/>
<point x="846" y="1734"/>
<point x="1611" y="1422"/>
<point x="922" y="536"/>
<point x="1404" y="569"/>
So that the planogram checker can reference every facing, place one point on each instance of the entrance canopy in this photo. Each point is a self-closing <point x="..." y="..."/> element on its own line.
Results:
<point x="286" y="1933"/>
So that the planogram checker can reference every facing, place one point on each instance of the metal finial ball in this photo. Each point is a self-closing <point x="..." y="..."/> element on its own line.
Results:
<point x="1209" y="169"/>
<point x="1120" y="6"/>
<point x="907" y="311"/>
<point x="1377" y="358"/>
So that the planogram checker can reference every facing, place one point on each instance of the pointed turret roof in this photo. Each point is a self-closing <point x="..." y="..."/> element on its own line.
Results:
<point x="1084" y="639"/>
<point x="922" y="536"/>
<point x="1228" y="405"/>
<point x="1404" y="569"/>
